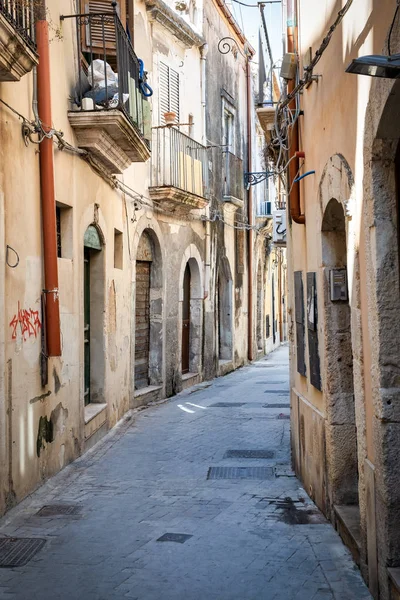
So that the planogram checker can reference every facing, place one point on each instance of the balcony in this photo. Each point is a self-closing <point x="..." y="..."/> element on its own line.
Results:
<point x="266" y="117"/>
<point x="179" y="171"/>
<point x="233" y="190"/>
<point x="110" y="116"/>
<point x="17" y="39"/>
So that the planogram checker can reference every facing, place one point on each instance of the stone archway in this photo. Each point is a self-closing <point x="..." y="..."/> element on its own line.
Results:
<point x="147" y="349"/>
<point x="191" y="309"/>
<point x="225" y="311"/>
<point x="341" y="303"/>
<point x="93" y="311"/>
<point x="381" y="348"/>
<point x="338" y="386"/>
<point x="260" y="308"/>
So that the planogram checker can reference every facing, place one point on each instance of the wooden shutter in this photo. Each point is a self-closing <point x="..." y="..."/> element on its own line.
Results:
<point x="312" y="331"/>
<point x="169" y="91"/>
<point x="100" y="33"/>
<point x="299" y="316"/>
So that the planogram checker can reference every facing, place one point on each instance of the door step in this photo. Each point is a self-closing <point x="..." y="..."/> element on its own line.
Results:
<point x="347" y="522"/>
<point x="143" y="396"/>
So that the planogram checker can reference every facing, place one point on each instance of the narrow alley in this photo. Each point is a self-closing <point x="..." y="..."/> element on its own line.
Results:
<point x="192" y="499"/>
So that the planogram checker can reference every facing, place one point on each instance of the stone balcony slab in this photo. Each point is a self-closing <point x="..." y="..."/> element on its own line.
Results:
<point x="176" y="200"/>
<point x="110" y="137"/>
<point x="16" y="57"/>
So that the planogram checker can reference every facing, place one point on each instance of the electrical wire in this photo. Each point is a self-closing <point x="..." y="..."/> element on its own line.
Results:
<point x="141" y="201"/>
<point x="317" y="56"/>
<point x="248" y="5"/>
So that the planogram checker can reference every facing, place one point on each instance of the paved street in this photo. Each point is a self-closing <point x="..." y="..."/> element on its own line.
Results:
<point x="168" y="470"/>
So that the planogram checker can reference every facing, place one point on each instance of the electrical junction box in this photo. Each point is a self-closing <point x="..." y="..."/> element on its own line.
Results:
<point x="289" y="66"/>
<point x="338" y="284"/>
<point x="279" y="228"/>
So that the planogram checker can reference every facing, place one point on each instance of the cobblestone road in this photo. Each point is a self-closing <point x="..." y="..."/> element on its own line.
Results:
<point x="247" y="538"/>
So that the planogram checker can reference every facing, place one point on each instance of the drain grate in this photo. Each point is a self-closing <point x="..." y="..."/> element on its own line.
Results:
<point x="249" y="454"/>
<point x="54" y="510"/>
<point x="17" y="552"/>
<point x="276" y="405"/>
<point x="240" y="473"/>
<point x="179" y="538"/>
<point x="227" y="404"/>
<point x="281" y="392"/>
<point x="282" y="416"/>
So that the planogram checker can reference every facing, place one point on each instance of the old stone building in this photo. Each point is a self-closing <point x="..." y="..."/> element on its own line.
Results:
<point x="343" y="241"/>
<point x="130" y="262"/>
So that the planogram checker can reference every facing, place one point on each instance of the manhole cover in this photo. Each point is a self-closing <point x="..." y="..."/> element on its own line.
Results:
<point x="276" y="405"/>
<point x="180" y="538"/>
<point x="240" y="473"/>
<point x="54" y="510"/>
<point x="249" y="454"/>
<point x="282" y="416"/>
<point x="227" y="404"/>
<point x="276" y="392"/>
<point x="17" y="552"/>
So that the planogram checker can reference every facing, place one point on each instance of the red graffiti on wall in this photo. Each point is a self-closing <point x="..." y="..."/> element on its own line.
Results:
<point x="29" y="322"/>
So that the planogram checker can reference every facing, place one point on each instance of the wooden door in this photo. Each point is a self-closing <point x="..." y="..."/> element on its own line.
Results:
<point x="142" y="334"/>
<point x="86" y="325"/>
<point x="186" y="321"/>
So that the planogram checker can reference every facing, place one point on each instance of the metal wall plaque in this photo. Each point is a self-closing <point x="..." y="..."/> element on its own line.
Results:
<point x="338" y="284"/>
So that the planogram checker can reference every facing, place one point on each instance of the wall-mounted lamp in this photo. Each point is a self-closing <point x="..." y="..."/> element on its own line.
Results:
<point x="376" y="65"/>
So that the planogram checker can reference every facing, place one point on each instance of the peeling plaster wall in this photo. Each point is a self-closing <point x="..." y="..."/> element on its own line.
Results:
<point x="42" y="429"/>
<point x="349" y="134"/>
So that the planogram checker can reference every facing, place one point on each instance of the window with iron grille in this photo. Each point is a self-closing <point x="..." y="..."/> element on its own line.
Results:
<point x="169" y="92"/>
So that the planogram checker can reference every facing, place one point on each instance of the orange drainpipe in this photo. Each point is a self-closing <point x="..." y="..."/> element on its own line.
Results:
<point x="47" y="189"/>
<point x="250" y="352"/>
<point x="294" y="196"/>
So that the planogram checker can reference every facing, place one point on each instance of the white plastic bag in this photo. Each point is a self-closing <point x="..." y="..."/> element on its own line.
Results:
<point x="99" y="76"/>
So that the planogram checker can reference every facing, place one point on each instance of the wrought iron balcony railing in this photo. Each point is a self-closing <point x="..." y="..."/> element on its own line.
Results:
<point x="109" y="73"/>
<point x="20" y="13"/>
<point x="178" y="161"/>
<point x="233" y="176"/>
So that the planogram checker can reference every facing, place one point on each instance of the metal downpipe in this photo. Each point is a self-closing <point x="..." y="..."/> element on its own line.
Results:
<point x="47" y="188"/>
<point x="294" y="196"/>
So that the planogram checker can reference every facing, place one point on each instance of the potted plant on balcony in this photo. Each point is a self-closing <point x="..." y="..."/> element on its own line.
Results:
<point x="169" y="118"/>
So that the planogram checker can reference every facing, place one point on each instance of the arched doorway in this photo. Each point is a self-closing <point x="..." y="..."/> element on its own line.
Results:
<point x="147" y="332"/>
<point x="144" y="261"/>
<point x="341" y="429"/>
<point x="225" y="312"/>
<point x="191" y="312"/>
<point x="260" y="303"/>
<point x="93" y="304"/>
<point x="186" y="321"/>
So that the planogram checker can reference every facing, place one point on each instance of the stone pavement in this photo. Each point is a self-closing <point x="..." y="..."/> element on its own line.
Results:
<point x="254" y="537"/>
